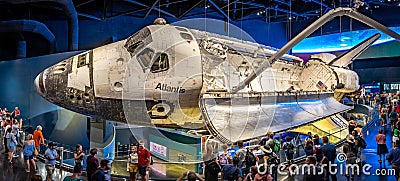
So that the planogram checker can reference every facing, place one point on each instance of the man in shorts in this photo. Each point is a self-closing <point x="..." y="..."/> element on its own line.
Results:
<point x="143" y="161"/>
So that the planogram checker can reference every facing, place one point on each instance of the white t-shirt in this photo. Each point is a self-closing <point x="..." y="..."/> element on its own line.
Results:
<point x="133" y="158"/>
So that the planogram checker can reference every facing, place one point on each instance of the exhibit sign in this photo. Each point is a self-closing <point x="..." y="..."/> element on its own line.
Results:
<point x="158" y="149"/>
<point x="371" y="88"/>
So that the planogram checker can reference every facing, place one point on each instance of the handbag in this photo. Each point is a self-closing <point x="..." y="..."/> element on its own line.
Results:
<point x="35" y="152"/>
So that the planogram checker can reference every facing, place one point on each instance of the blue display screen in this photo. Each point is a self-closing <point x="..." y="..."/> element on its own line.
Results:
<point x="340" y="41"/>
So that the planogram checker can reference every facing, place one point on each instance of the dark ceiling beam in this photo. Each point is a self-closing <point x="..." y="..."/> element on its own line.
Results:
<point x="190" y="9"/>
<point x="84" y="3"/>
<point x="220" y="10"/>
<point x="174" y="2"/>
<point x="151" y="8"/>
<point x="129" y="13"/>
<point x="89" y="16"/>
<point x="283" y="2"/>
<point x="201" y="13"/>
<point x="321" y="3"/>
<point x="104" y="9"/>
<point x="287" y="11"/>
<point x="275" y="8"/>
<point x="223" y="7"/>
<point x="156" y="9"/>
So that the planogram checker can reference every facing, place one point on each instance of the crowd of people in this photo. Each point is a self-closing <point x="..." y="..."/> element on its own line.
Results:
<point x="260" y="162"/>
<point x="34" y="144"/>
<point x="10" y="135"/>
<point x="389" y="111"/>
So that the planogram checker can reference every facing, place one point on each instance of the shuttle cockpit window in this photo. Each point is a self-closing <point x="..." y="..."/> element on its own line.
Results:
<point x="160" y="63"/>
<point x="135" y="47"/>
<point x="145" y="57"/>
<point x="138" y="40"/>
<point x="186" y="36"/>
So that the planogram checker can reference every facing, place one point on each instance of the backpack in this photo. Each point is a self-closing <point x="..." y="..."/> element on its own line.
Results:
<point x="211" y="171"/>
<point x="250" y="159"/>
<point x="234" y="176"/>
<point x="223" y="159"/>
<point x="150" y="158"/>
<point x="290" y="148"/>
<point x="277" y="146"/>
<point x="272" y="159"/>
<point x="309" y="151"/>
<point x="349" y="149"/>
<point x="363" y="144"/>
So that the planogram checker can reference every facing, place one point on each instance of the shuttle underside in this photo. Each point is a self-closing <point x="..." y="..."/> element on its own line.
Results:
<point x="238" y="117"/>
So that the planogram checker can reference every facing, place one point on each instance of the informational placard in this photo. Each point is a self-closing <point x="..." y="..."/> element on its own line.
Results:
<point x="158" y="149"/>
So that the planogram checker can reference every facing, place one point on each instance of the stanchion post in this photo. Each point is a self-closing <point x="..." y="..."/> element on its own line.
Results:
<point x="61" y="155"/>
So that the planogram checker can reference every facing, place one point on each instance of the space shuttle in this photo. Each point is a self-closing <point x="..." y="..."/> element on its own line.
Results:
<point x="176" y="77"/>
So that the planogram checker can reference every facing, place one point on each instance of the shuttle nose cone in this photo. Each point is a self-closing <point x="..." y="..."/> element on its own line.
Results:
<point x="39" y="84"/>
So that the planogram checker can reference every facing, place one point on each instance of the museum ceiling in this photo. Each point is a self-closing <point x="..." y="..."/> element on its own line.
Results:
<point x="236" y="10"/>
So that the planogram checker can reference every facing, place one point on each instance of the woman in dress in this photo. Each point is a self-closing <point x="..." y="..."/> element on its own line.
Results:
<point x="29" y="149"/>
<point x="11" y="144"/>
<point x="381" y="148"/>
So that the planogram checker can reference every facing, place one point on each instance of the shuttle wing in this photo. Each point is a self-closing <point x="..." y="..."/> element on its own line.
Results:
<point x="230" y="118"/>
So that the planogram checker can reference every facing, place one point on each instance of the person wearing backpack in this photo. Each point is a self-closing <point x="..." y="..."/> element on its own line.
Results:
<point x="350" y="149"/>
<point x="271" y="141"/>
<point x="361" y="142"/>
<point x="272" y="160"/>
<point x="330" y="152"/>
<point x="289" y="150"/>
<point x="241" y="155"/>
<point x="232" y="172"/>
<point x="211" y="170"/>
